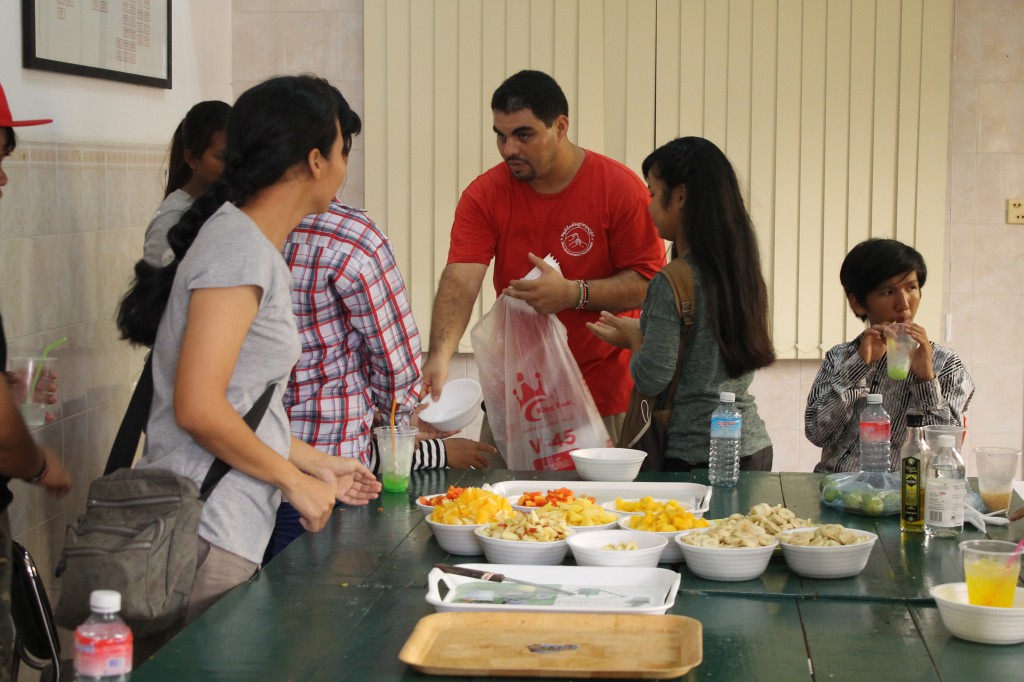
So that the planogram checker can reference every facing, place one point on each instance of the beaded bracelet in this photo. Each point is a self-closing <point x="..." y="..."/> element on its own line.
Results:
<point x="579" y="301"/>
<point x="584" y="294"/>
<point x="41" y="474"/>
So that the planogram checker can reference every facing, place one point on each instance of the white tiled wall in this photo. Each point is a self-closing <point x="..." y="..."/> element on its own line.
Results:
<point x="71" y="223"/>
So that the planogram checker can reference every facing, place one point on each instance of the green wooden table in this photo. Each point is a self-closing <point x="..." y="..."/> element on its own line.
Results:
<point x="339" y="605"/>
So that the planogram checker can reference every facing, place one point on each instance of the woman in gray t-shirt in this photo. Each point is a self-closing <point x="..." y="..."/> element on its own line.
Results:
<point x="220" y="321"/>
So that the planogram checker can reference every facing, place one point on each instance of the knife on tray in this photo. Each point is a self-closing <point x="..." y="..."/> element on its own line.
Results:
<point x="493" y="577"/>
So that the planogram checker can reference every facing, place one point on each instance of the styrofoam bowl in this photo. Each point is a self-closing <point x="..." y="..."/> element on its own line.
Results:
<point x="499" y="551"/>
<point x="455" y="539"/>
<point x="983" y="624"/>
<point x="729" y="564"/>
<point x="827" y="562"/>
<point x="608" y="464"/>
<point x="457" y="407"/>
<point x="670" y="553"/>
<point x="586" y="548"/>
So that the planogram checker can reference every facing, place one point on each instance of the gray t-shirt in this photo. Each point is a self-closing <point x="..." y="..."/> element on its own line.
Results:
<point x="155" y="250"/>
<point x="703" y="376"/>
<point x="229" y="251"/>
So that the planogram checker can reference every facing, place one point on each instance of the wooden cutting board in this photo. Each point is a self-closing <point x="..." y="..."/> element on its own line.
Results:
<point x="554" y="645"/>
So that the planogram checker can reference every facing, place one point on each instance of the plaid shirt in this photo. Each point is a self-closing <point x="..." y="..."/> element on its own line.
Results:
<point x="360" y="345"/>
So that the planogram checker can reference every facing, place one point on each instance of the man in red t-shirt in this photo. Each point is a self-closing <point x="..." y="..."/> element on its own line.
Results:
<point x="549" y="196"/>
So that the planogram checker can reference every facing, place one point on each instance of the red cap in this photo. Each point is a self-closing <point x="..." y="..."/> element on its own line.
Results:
<point x="7" y="119"/>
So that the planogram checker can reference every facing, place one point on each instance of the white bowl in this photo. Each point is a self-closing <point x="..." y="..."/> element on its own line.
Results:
<point x="827" y="562"/>
<point x="455" y="539"/>
<point x="456" y="408"/>
<point x="730" y="564"/>
<point x="500" y="551"/>
<point x="586" y="548"/>
<point x="687" y="505"/>
<point x="427" y="509"/>
<point x="670" y="553"/>
<point x="608" y="464"/>
<point x="984" y="624"/>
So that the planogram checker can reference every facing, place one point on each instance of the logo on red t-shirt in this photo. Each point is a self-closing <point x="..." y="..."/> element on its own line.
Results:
<point x="577" y="239"/>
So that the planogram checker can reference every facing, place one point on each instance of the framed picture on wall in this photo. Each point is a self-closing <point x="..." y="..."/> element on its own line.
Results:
<point x="120" y="40"/>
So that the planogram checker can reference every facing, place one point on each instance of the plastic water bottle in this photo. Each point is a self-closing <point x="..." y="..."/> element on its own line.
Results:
<point x="945" y="489"/>
<point x="913" y="466"/>
<point x="875" y="430"/>
<point x="103" y="643"/>
<point x="726" y="430"/>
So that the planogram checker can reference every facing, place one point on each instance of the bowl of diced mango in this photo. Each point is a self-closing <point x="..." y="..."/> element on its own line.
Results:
<point x="667" y="519"/>
<point x="454" y="520"/>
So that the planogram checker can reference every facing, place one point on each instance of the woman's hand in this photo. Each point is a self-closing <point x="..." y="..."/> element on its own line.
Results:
<point x="312" y="498"/>
<point x="463" y="453"/>
<point x="621" y="332"/>
<point x="350" y="482"/>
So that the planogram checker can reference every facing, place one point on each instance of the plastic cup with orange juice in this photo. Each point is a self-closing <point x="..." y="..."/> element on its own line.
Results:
<point x="992" y="570"/>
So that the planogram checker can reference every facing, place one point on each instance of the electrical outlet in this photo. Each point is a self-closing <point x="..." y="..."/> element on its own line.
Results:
<point x="1015" y="211"/>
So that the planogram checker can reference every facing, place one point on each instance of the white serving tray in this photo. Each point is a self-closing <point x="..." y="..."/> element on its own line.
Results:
<point x="599" y="589"/>
<point x="603" y="491"/>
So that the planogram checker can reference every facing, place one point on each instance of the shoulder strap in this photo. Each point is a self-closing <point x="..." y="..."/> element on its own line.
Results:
<point x="220" y="468"/>
<point x="126" y="442"/>
<point x="680" y="277"/>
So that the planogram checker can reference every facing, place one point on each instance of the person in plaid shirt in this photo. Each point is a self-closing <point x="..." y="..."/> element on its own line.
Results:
<point x="360" y="349"/>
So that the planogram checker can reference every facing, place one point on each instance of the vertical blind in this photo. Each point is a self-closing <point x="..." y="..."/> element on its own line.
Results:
<point x="833" y="112"/>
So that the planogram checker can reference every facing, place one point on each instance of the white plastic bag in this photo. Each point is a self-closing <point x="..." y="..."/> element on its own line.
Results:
<point x="538" y="406"/>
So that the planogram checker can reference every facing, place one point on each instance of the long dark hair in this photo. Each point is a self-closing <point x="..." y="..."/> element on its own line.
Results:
<point x="718" y="232"/>
<point x="194" y="134"/>
<point x="272" y="127"/>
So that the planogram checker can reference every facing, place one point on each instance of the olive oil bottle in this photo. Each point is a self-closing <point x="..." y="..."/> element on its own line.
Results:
<point x="913" y="464"/>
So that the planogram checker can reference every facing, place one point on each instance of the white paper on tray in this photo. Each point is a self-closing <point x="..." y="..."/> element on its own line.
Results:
<point x="595" y="590"/>
<point x="602" y="491"/>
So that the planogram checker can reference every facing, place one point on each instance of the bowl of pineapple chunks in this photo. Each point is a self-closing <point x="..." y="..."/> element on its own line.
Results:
<point x="617" y="548"/>
<point x="667" y="520"/>
<point x="518" y="538"/>
<point x="454" y="520"/>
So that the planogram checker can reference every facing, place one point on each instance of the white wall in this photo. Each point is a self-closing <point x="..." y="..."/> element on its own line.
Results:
<point x="99" y="110"/>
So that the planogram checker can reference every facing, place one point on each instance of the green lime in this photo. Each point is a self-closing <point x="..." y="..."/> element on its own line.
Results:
<point x="831" y="493"/>
<point x="874" y="506"/>
<point x="853" y="500"/>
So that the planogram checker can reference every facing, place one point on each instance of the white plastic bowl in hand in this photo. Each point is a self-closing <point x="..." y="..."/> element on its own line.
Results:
<point x="840" y="561"/>
<point x="456" y="408"/>
<point x="500" y="551"/>
<point x="456" y="539"/>
<point x="984" y="624"/>
<point x="587" y="548"/>
<point x="608" y="464"/>
<point x="727" y="564"/>
<point x="670" y="553"/>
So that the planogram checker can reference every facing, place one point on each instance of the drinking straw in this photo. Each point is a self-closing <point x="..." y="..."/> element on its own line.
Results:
<point x="394" y="453"/>
<point x="39" y="370"/>
<point x="1013" y="555"/>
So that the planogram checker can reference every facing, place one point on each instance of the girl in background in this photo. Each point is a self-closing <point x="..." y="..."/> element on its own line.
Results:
<point x="196" y="162"/>
<point x="697" y="205"/>
<point x="219" y="319"/>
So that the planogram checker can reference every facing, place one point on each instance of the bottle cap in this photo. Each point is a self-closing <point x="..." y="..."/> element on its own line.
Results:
<point x="727" y="397"/>
<point x="946" y="441"/>
<point x="915" y="419"/>
<point x="105" y="601"/>
<point x="874" y="398"/>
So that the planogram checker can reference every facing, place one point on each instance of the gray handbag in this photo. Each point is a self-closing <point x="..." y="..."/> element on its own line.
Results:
<point x="140" y="531"/>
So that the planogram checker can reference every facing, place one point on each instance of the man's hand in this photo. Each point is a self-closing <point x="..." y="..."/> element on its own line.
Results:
<point x="549" y="293"/>
<point x="425" y="430"/>
<point x="46" y="388"/>
<point x="872" y="344"/>
<point x="921" y="357"/>
<point x="57" y="480"/>
<point x="435" y="373"/>
<point x="464" y="453"/>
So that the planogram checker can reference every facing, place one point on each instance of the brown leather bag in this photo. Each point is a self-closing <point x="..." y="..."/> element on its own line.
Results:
<point x="645" y="426"/>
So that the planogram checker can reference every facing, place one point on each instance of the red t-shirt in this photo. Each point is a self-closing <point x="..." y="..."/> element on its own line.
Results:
<point x="595" y="227"/>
